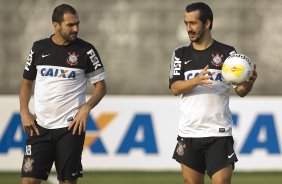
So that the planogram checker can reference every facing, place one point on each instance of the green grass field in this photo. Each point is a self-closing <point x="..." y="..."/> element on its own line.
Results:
<point x="154" y="178"/>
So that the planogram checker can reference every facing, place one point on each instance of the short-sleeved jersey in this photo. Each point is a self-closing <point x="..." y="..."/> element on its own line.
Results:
<point x="205" y="111"/>
<point x="60" y="73"/>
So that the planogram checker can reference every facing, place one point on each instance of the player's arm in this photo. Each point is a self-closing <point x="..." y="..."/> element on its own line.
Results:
<point x="244" y="88"/>
<point x="27" y="118"/>
<point x="100" y="90"/>
<point x="95" y="74"/>
<point x="184" y="86"/>
<point x="80" y="120"/>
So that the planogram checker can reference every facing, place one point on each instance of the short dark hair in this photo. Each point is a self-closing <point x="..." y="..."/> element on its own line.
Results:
<point x="205" y="11"/>
<point x="59" y="11"/>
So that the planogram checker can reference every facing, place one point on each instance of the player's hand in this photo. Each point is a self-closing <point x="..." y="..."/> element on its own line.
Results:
<point x="29" y="125"/>
<point x="253" y="78"/>
<point x="78" y="124"/>
<point x="244" y="88"/>
<point x="203" y="78"/>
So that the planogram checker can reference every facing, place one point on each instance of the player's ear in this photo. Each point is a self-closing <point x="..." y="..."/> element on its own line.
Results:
<point x="208" y="24"/>
<point x="56" y="25"/>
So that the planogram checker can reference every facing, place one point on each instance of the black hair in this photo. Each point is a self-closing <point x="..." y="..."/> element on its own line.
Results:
<point x="59" y="11"/>
<point x="205" y="11"/>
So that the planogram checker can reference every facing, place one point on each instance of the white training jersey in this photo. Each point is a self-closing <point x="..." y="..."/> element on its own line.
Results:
<point x="205" y="111"/>
<point x="60" y="73"/>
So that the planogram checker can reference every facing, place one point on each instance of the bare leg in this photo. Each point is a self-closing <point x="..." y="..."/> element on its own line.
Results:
<point x="26" y="180"/>
<point x="223" y="176"/>
<point x="68" y="182"/>
<point x="191" y="176"/>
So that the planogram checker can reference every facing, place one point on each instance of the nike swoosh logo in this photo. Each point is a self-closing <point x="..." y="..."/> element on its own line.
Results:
<point x="229" y="156"/>
<point x="73" y="174"/>
<point x="186" y="62"/>
<point x="45" y="55"/>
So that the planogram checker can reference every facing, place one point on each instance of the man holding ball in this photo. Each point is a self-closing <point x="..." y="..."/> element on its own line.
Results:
<point x="205" y="141"/>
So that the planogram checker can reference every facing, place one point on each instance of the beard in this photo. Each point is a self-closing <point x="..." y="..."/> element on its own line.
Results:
<point x="70" y="37"/>
<point x="196" y="36"/>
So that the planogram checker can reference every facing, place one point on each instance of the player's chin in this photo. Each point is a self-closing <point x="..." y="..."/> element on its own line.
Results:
<point x="193" y="38"/>
<point x="72" y="37"/>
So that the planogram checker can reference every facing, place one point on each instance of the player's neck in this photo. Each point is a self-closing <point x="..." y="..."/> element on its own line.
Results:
<point x="57" y="39"/>
<point x="204" y="43"/>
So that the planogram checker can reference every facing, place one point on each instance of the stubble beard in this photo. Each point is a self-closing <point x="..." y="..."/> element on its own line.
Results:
<point x="69" y="38"/>
<point x="199" y="38"/>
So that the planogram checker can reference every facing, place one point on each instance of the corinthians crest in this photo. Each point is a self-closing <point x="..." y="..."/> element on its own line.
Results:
<point x="28" y="165"/>
<point x="217" y="59"/>
<point x="72" y="59"/>
<point x="180" y="148"/>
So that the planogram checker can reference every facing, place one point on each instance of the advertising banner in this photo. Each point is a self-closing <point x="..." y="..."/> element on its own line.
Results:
<point x="139" y="133"/>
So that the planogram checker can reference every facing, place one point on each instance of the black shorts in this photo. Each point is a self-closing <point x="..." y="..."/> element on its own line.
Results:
<point x="205" y="154"/>
<point x="53" y="145"/>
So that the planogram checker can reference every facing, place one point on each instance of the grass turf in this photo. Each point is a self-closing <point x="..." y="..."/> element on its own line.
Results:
<point x="127" y="177"/>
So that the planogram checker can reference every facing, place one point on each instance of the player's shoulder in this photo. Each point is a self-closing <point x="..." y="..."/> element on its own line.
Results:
<point x="42" y="41"/>
<point x="224" y="46"/>
<point x="182" y="48"/>
<point x="84" y="44"/>
<point x="41" y="44"/>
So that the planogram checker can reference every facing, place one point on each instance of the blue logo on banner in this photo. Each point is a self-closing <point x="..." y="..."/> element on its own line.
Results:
<point x="8" y="140"/>
<point x="14" y="137"/>
<point x="142" y="123"/>
<point x="140" y="135"/>
<point x="263" y="124"/>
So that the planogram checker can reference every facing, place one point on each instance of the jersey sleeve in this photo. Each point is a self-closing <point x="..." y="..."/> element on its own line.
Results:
<point x="176" y="71"/>
<point x="231" y="51"/>
<point x="30" y="67"/>
<point x="95" y="70"/>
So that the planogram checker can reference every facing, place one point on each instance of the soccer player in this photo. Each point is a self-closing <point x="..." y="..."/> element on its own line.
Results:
<point x="60" y="65"/>
<point x="205" y="141"/>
